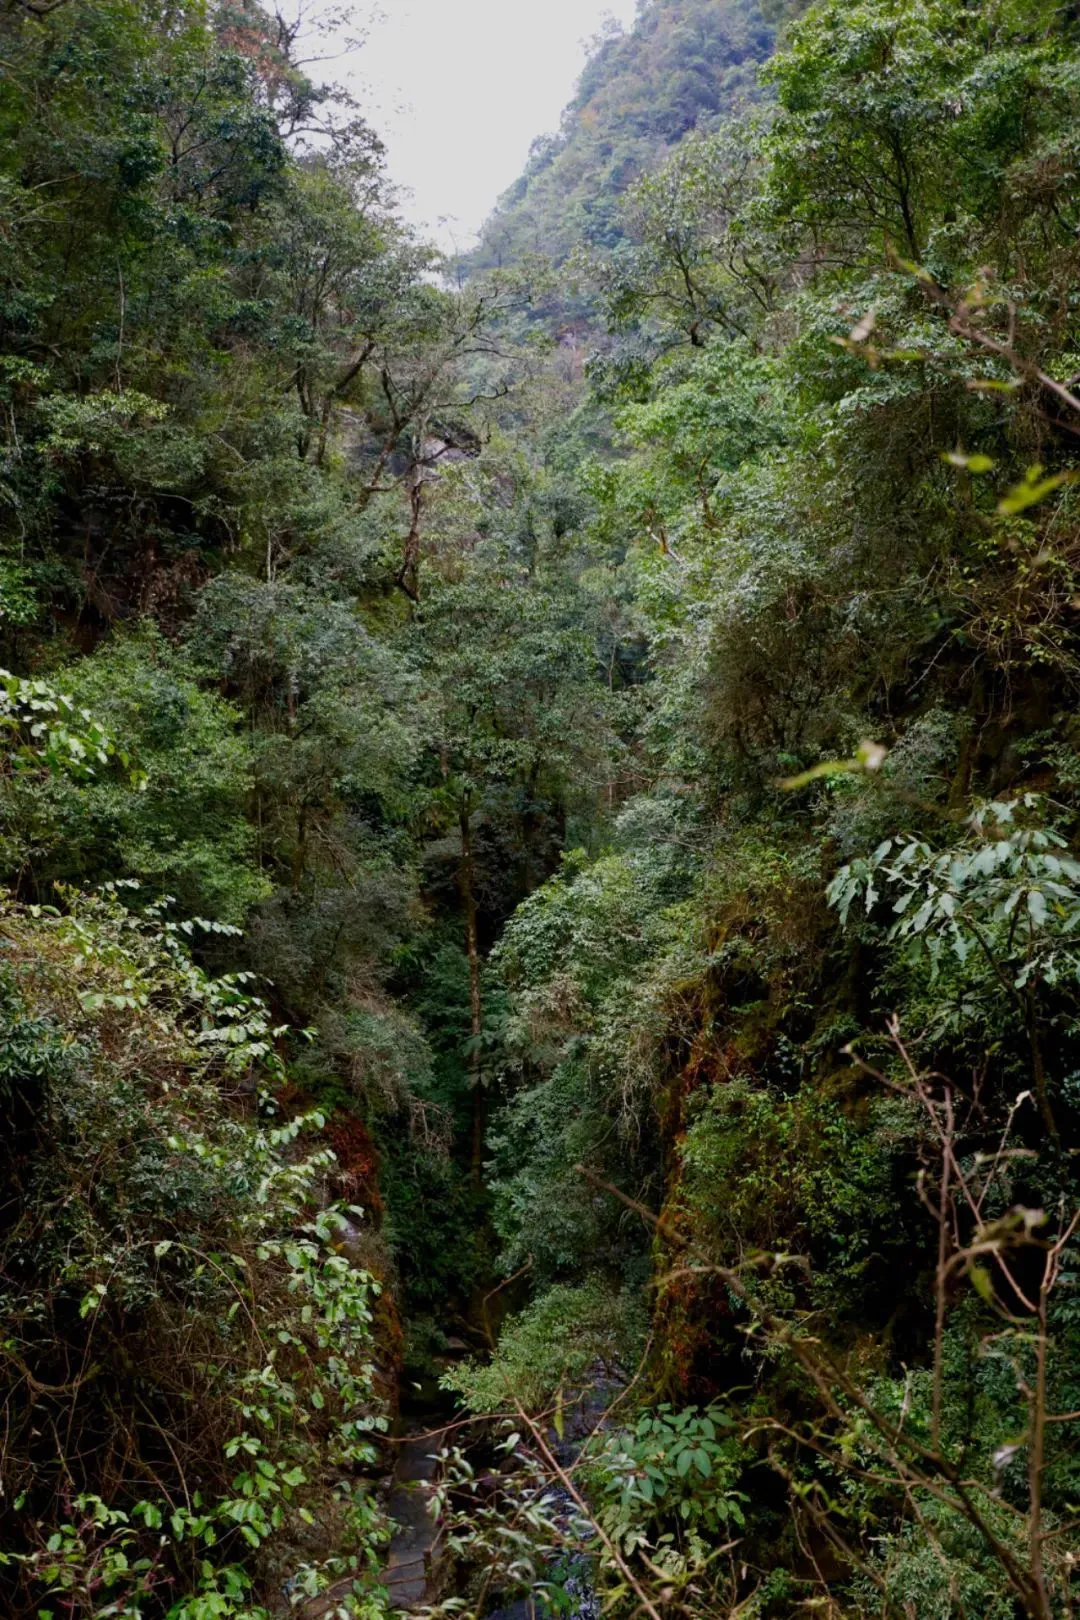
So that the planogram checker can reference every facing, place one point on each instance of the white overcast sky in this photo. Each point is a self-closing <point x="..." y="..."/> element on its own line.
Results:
<point x="459" y="88"/>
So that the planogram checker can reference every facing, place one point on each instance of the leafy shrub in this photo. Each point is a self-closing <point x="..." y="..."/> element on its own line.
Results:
<point x="171" y="811"/>
<point x="189" y="1359"/>
<point x="674" y="1471"/>
<point x="567" y="1338"/>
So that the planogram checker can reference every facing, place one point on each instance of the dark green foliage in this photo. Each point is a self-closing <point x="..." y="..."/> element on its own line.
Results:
<point x="155" y="1231"/>
<point x="181" y="826"/>
<point x="649" y="780"/>
<point x="842" y="498"/>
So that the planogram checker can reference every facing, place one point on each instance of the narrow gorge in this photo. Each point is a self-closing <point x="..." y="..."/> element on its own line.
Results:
<point x="540" y="821"/>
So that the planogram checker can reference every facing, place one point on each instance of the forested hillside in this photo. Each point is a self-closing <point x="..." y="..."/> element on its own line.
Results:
<point x="541" y="913"/>
<point x="684" y="65"/>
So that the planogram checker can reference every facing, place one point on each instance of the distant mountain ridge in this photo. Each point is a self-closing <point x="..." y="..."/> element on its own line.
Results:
<point x="683" y="65"/>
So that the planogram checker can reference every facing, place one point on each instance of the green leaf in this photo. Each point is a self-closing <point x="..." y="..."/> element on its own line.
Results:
<point x="1028" y="494"/>
<point x="972" y="464"/>
<point x="982" y="1283"/>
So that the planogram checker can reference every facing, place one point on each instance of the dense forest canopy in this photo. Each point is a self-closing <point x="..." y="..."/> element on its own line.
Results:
<point x="538" y="814"/>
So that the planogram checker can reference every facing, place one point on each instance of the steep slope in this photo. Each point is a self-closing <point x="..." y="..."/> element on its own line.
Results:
<point x="683" y="65"/>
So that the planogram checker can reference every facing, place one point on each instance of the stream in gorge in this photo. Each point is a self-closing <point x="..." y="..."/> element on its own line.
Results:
<point x="413" y="1573"/>
<point x="409" y="1572"/>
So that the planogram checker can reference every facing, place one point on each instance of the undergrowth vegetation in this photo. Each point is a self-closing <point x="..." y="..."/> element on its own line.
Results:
<point x="182" y="1333"/>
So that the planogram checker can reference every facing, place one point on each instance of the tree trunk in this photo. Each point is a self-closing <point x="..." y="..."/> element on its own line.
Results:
<point x="408" y="576"/>
<point x="476" y="1012"/>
